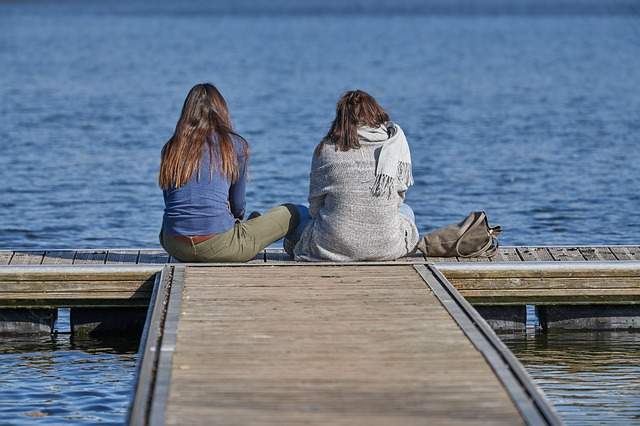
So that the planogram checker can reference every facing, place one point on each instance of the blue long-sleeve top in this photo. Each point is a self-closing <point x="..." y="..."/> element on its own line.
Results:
<point x="208" y="203"/>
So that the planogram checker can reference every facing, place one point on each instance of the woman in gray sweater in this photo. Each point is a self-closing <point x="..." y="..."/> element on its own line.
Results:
<point x="360" y="174"/>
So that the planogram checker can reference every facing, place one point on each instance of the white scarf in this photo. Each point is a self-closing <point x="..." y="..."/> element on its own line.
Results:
<point x="394" y="161"/>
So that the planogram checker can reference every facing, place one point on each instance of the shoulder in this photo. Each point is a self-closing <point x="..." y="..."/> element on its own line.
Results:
<point x="238" y="140"/>
<point x="324" y="152"/>
<point x="240" y="144"/>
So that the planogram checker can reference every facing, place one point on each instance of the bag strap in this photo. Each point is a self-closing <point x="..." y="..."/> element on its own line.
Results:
<point x="490" y="248"/>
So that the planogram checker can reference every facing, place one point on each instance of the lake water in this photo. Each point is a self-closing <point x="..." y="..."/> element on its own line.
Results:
<point x="591" y="378"/>
<point x="533" y="117"/>
<point x="59" y="380"/>
<point x="529" y="110"/>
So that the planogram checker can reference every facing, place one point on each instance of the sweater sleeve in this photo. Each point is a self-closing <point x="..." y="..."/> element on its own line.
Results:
<point x="317" y="185"/>
<point x="237" y="190"/>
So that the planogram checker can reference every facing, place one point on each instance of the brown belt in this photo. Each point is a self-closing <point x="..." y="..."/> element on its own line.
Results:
<point x="195" y="239"/>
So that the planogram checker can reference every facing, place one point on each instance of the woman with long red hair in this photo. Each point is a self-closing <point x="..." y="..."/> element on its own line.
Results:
<point x="203" y="171"/>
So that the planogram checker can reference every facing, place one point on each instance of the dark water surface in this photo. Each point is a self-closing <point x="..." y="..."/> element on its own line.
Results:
<point x="59" y="380"/>
<point x="591" y="378"/>
<point x="529" y="110"/>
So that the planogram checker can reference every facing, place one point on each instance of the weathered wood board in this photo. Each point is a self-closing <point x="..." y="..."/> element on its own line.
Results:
<point x="66" y="285"/>
<point x="543" y="283"/>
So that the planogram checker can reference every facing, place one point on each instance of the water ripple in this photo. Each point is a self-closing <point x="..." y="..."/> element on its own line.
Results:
<point x="591" y="378"/>
<point x="58" y="380"/>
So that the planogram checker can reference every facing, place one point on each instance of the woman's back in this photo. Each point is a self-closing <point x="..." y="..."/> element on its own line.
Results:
<point x="350" y="223"/>
<point x="208" y="203"/>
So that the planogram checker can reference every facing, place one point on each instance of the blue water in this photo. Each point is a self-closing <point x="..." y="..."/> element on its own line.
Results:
<point x="59" y="380"/>
<point x="529" y="110"/>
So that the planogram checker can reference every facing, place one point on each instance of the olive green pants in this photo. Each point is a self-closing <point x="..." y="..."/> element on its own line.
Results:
<point x="241" y="243"/>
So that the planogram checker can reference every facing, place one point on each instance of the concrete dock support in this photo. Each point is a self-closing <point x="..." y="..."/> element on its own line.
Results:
<point x="504" y="318"/>
<point x="589" y="317"/>
<point x="16" y="321"/>
<point x="107" y="321"/>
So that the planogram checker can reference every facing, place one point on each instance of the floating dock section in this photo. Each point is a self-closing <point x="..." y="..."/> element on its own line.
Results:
<point x="278" y="342"/>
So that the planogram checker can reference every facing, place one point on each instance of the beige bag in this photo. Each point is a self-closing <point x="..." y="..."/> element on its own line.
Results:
<point x="470" y="238"/>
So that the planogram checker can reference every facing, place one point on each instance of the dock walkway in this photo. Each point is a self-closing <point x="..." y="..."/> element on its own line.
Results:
<point x="138" y="257"/>
<point x="376" y="344"/>
<point x="516" y="276"/>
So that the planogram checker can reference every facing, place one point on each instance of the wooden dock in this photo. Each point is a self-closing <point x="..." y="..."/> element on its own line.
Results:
<point x="278" y="342"/>
<point x="516" y="276"/>
<point x="343" y="344"/>
<point x="139" y="257"/>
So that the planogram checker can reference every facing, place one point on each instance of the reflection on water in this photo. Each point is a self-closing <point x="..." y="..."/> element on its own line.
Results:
<point x="57" y="379"/>
<point x="591" y="378"/>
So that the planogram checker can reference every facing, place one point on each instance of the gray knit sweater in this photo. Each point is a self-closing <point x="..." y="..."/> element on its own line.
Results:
<point x="348" y="222"/>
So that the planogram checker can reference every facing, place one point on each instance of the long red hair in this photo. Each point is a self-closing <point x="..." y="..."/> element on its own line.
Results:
<point x="204" y="116"/>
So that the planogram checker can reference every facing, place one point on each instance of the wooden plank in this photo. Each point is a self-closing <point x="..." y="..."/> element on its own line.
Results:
<point x="74" y="302"/>
<point x="635" y="251"/>
<point x="115" y="257"/>
<point x="544" y="297"/>
<point x="153" y="257"/>
<point x="291" y="344"/>
<point x="75" y="289"/>
<point x="626" y="252"/>
<point x="80" y="289"/>
<point x="534" y="254"/>
<point x="27" y="257"/>
<point x="5" y="257"/>
<point x="556" y="284"/>
<point x="605" y="270"/>
<point x="9" y="298"/>
<point x="564" y="254"/>
<point x="595" y="254"/>
<point x="432" y="259"/>
<point x="506" y="254"/>
<point x="473" y="259"/>
<point x="90" y="257"/>
<point x="75" y="273"/>
<point x="59" y="257"/>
